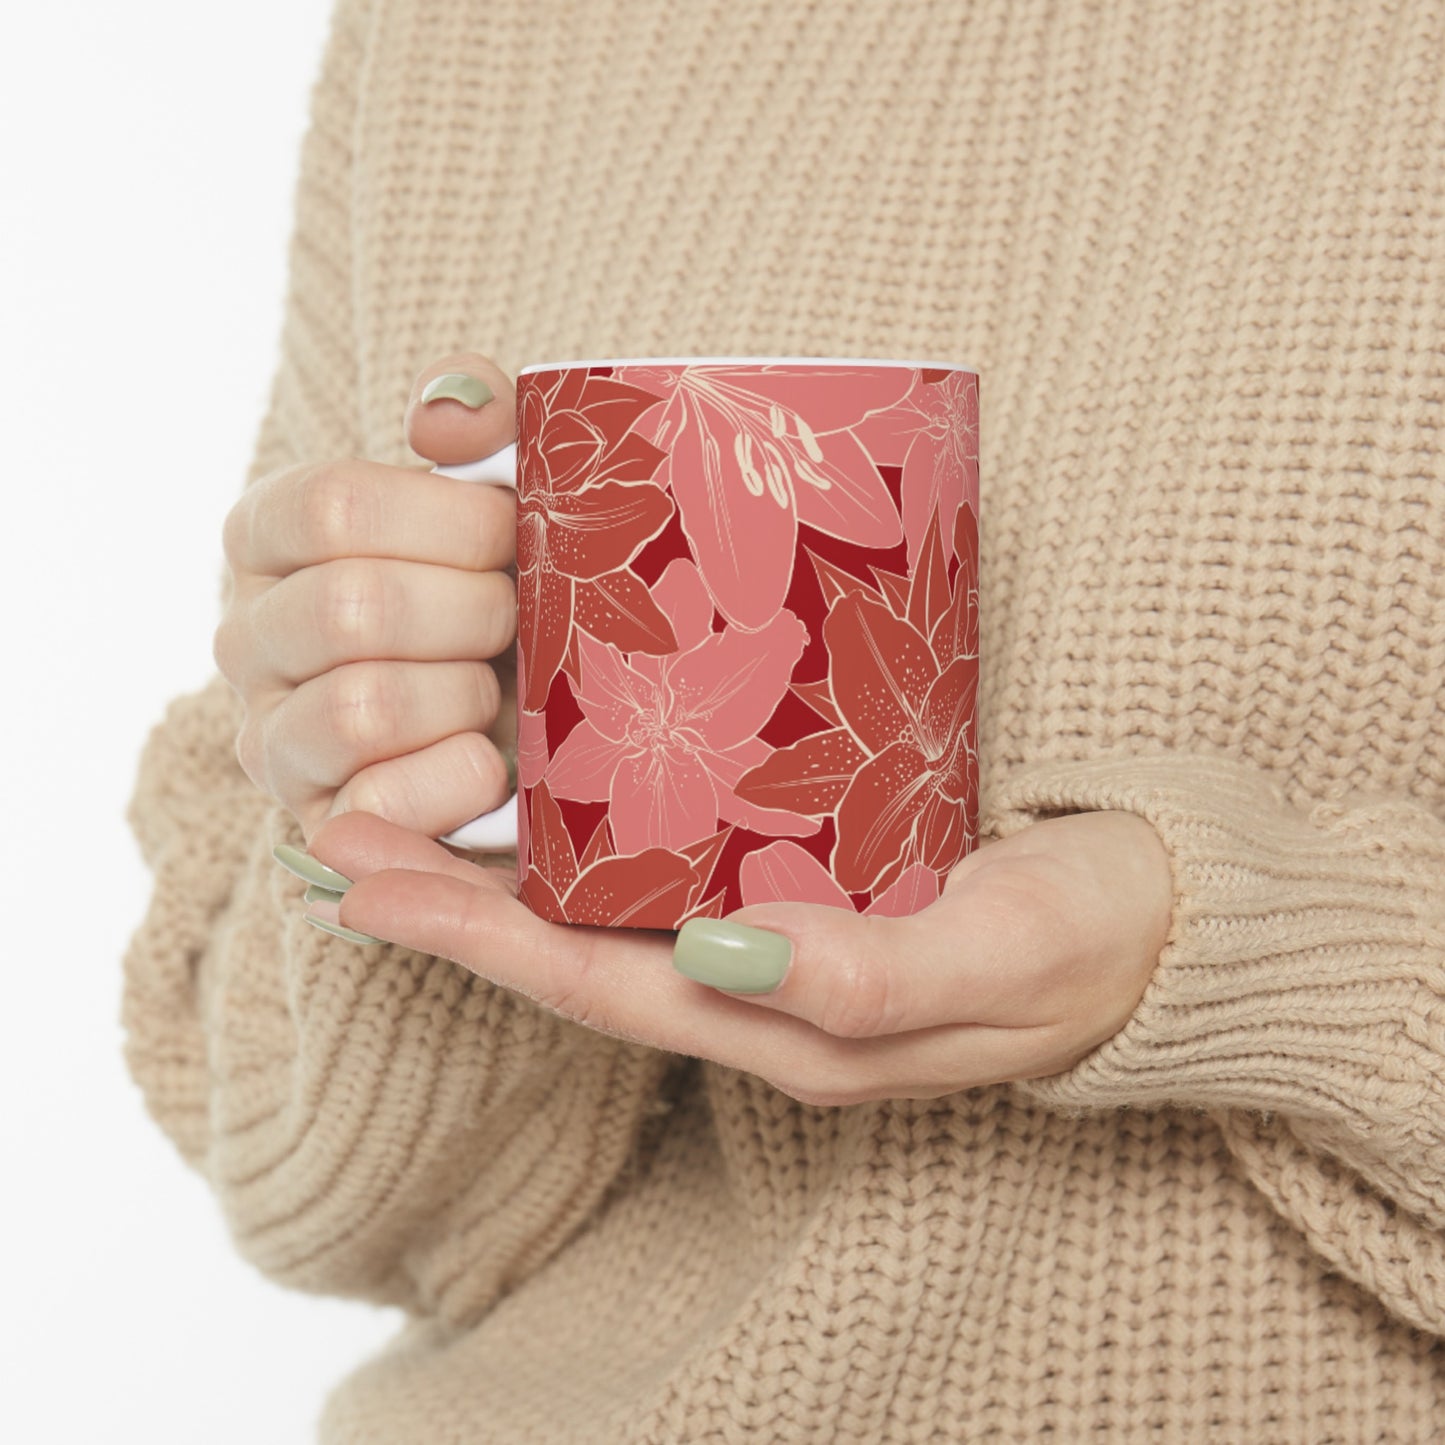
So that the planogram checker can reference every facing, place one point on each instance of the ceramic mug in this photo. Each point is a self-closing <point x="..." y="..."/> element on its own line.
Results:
<point x="747" y="635"/>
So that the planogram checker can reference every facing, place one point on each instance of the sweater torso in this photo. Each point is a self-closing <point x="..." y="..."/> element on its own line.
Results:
<point x="1198" y="255"/>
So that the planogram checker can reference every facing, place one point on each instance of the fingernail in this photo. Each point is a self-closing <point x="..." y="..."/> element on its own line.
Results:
<point x="324" y="911"/>
<point x="317" y="894"/>
<point x="349" y="934"/>
<point x="471" y="391"/>
<point x="731" y="955"/>
<point x="303" y="865"/>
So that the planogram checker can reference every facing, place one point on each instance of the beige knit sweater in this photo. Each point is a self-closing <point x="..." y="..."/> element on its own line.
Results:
<point x="1198" y="253"/>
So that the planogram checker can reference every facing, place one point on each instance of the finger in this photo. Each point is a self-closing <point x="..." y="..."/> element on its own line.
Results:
<point x="1038" y="931"/>
<point x="329" y="729"/>
<point x="451" y="429"/>
<point x="364" y="608"/>
<point x="620" y="981"/>
<point x="975" y="956"/>
<point x="358" y="844"/>
<point x="851" y="975"/>
<point x="433" y="790"/>
<point x="301" y="516"/>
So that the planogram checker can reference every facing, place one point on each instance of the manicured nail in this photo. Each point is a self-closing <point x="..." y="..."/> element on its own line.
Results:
<point x="303" y="865"/>
<point x="349" y="934"/>
<point x="471" y="391"/>
<point x="317" y="894"/>
<point x="731" y="955"/>
<point x="324" y="910"/>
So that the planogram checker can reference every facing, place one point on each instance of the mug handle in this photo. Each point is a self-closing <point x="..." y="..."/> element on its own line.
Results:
<point x="497" y="830"/>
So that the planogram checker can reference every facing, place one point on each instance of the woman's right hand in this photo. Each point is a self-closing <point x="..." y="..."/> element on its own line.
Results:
<point x="365" y="599"/>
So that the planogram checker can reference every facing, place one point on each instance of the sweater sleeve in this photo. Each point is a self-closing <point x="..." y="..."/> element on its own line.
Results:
<point x="374" y="1122"/>
<point x="1299" y="999"/>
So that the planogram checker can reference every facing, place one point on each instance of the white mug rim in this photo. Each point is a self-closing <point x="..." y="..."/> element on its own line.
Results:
<point x="819" y="361"/>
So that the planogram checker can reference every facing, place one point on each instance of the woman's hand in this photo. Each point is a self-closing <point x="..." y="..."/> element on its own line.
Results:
<point x="1038" y="950"/>
<point x="364" y="598"/>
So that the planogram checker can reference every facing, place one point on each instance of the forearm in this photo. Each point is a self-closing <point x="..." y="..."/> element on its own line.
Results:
<point x="336" y="1098"/>
<point x="1301" y="991"/>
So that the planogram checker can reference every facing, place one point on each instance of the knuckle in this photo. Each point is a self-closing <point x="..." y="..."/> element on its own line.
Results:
<point x="504" y="508"/>
<point x="484" y="774"/>
<point x="1020" y="909"/>
<point x="311" y="815"/>
<point x="236" y="532"/>
<point x="1028" y="928"/>
<point x="862" y="999"/>
<point x="1046" y="930"/>
<point x="333" y="508"/>
<point x="577" y="992"/>
<point x="224" y="650"/>
<point x="494" y="528"/>
<point x="501" y="614"/>
<point x="362" y="708"/>
<point x="573" y="1004"/>
<point x="355" y="606"/>
<point x="386" y="792"/>
<point x="489" y="691"/>
<point x="235" y="644"/>
<point x="570" y="994"/>
<point x="251" y="751"/>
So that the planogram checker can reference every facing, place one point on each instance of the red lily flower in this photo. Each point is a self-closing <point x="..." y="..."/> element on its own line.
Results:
<point x="898" y="770"/>
<point x="588" y="504"/>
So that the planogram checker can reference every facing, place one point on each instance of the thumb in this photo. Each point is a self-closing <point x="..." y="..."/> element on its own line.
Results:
<point x="462" y="408"/>
<point x="852" y="975"/>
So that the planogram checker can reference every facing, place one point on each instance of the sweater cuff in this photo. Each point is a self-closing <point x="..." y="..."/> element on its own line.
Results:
<point x="1305" y="960"/>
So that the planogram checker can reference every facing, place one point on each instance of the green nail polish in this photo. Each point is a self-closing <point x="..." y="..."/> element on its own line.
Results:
<point x="471" y="391"/>
<point x="303" y="865"/>
<point x="731" y="955"/>
<point x="350" y="934"/>
<point x="317" y="894"/>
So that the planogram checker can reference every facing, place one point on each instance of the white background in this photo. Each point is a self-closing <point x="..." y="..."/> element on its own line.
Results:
<point x="148" y="155"/>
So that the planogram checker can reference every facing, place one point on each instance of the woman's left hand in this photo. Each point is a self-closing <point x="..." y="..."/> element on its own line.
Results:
<point x="1037" y="951"/>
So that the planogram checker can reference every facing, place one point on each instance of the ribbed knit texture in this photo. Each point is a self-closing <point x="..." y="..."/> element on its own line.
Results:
<point x="1198" y="254"/>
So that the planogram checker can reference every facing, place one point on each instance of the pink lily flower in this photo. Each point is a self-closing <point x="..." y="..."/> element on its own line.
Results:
<point x="663" y="740"/>
<point x="752" y="453"/>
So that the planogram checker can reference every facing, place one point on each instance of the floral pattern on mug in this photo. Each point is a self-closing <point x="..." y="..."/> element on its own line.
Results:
<point x="785" y="873"/>
<point x="720" y="725"/>
<point x="652" y="888"/>
<point x="898" y="769"/>
<point x="588" y="502"/>
<point x="933" y="435"/>
<point x="663" y="739"/>
<point x="747" y="466"/>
